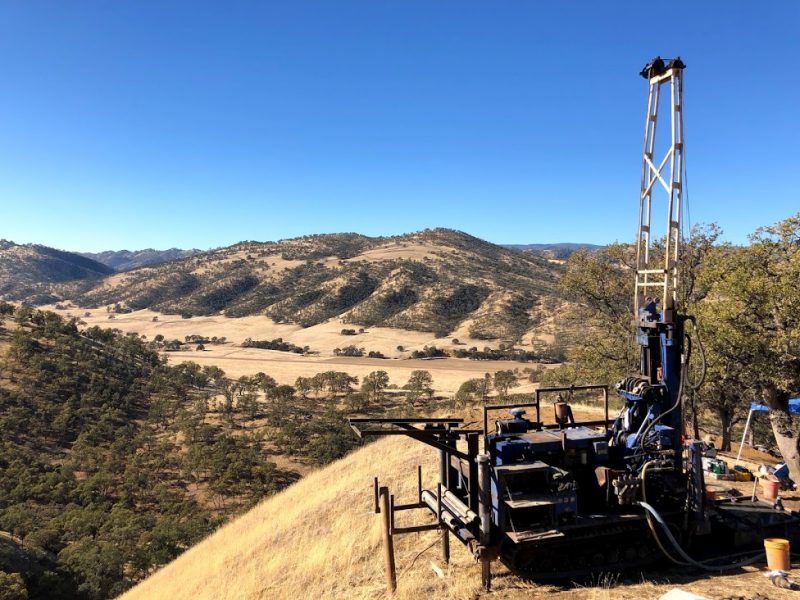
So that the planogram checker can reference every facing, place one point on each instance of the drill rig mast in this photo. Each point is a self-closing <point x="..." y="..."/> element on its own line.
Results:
<point x="652" y="400"/>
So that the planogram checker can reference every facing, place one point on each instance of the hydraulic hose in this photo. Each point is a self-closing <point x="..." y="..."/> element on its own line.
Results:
<point x="682" y="553"/>
<point x="703" y="365"/>
<point x="650" y="524"/>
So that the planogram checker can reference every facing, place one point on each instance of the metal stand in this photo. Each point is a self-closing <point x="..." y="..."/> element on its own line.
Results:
<point x="462" y="493"/>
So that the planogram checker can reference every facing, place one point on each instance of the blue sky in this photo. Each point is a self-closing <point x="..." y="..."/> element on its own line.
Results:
<point x="198" y="124"/>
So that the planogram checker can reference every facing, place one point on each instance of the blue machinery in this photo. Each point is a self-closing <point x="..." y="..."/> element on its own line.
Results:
<point x="566" y="499"/>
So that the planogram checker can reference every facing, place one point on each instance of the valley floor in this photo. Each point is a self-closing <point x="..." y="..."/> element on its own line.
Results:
<point x="448" y="373"/>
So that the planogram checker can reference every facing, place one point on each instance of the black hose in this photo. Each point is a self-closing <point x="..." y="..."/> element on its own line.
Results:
<point x="688" y="558"/>
<point x="704" y="366"/>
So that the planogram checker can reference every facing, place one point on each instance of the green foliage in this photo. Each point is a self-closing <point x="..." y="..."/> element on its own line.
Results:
<point x="473" y="390"/>
<point x="101" y="444"/>
<point x="350" y="350"/>
<point x="430" y="352"/>
<point x="419" y="383"/>
<point x="601" y="286"/>
<point x="503" y="381"/>
<point x="487" y="353"/>
<point x="374" y="384"/>
<point x="319" y="437"/>
<point x="276" y="344"/>
<point x="12" y="587"/>
<point x="508" y="319"/>
<point x="751" y="325"/>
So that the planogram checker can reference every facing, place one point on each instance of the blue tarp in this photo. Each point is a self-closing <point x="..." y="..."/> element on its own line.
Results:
<point x="794" y="406"/>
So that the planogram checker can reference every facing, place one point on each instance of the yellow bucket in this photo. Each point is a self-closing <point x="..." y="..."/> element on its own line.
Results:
<point x="777" y="554"/>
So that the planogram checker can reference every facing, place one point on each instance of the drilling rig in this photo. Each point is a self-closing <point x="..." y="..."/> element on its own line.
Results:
<point x="565" y="500"/>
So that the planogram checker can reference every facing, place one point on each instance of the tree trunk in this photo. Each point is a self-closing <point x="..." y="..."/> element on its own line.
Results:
<point x="725" y="429"/>
<point x="787" y="438"/>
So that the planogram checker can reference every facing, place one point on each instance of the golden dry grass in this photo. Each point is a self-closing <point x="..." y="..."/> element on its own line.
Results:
<point x="448" y="374"/>
<point x="320" y="539"/>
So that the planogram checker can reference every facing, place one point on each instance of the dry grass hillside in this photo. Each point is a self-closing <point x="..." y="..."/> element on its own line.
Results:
<point x="320" y="539"/>
<point x="434" y="281"/>
<point x="32" y="272"/>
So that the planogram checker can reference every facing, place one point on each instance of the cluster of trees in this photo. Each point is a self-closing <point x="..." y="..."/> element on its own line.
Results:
<point x="478" y="389"/>
<point x="276" y="344"/>
<point x="204" y="339"/>
<point x="112" y="463"/>
<point x="313" y="247"/>
<point x="511" y="353"/>
<point x="504" y="352"/>
<point x="748" y="311"/>
<point x="429" y="352"/>
<point x="351" y="350"/>
<point x="351" y="331"/>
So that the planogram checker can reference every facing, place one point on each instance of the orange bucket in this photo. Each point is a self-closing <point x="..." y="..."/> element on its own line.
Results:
<point x="770" y="489"/>
<point x="777" y="554"/>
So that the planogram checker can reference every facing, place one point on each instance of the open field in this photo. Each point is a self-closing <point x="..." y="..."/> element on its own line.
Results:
<point x="320" y="536"/>
<point x="448" y="373"/>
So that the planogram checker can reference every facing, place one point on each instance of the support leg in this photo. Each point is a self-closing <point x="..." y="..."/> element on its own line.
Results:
<point x="388" y="542"/>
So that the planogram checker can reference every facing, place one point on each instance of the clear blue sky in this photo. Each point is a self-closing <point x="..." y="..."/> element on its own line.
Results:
<point x="196" y="124"/>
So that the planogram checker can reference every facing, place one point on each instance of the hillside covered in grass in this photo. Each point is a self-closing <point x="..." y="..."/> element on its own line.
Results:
<point x="31" y="272"/>
<point x="434" y="281"/>
<point x="319" y="538"/>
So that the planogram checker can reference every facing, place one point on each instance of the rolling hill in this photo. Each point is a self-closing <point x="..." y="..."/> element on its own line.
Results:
<point x="436" y="280"/>
<point x="31" y="272"/>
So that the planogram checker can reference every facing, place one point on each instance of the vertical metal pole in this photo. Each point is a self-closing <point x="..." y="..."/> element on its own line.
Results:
<point x="485" y="513"/>
<point x="472" y="452"/>
<point x="445" y="531"/>
<point x="388" y="542"/>
<point x="744" y="435"/>
<point x="419" y="484"/>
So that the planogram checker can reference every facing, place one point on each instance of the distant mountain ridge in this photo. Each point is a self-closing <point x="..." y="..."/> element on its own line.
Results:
<point x="124" y="260"/>
<point x="560" y="250"/>
<point x="32" y="272"/>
